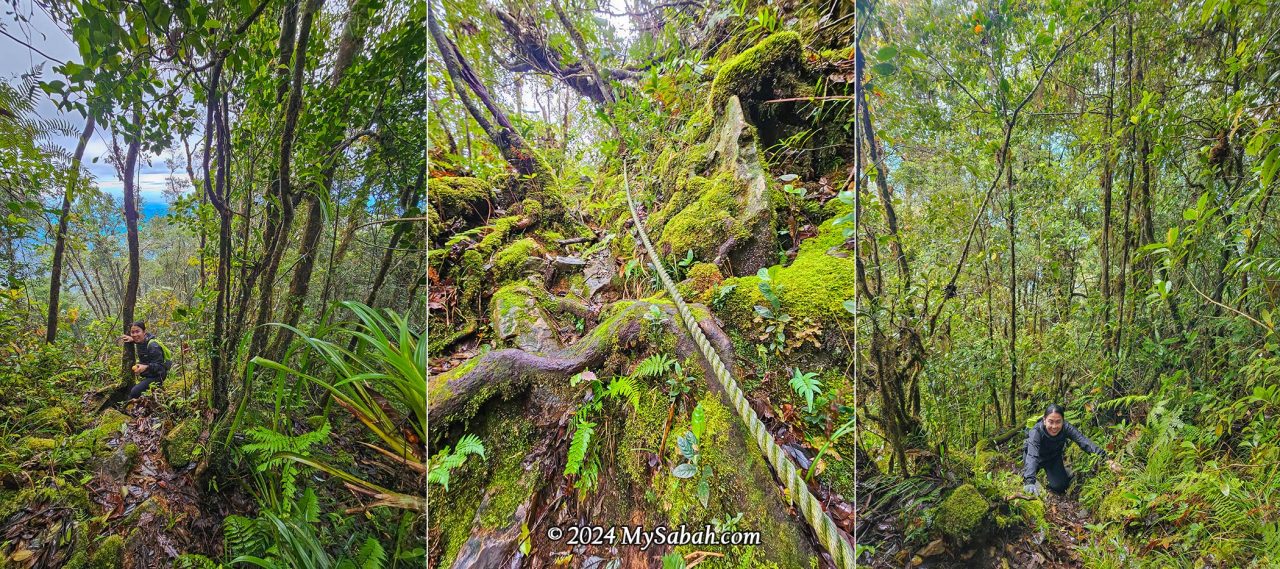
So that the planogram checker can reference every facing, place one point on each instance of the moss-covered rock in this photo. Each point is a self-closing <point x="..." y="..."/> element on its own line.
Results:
<point x="698" y="283"/>
<point x="452" y="196"/>
<point x="109" y="555"/>
<point x="706" y="223"/>
<point x="728" y="212"/>
<point x="961" y="515"/>
<point x="516" y="314"/>
<point x="510" y="262"/>
<point x="180" y="445"/>
<point x="756" y="70"/>
<point x="814" y="286"/>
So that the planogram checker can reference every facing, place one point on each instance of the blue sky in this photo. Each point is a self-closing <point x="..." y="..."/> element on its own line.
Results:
<point x="40" y="32"/>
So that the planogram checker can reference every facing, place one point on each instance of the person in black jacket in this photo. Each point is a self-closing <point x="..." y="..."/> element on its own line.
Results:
<point x="1046" y="442"/>
<point x="152" y="366"/>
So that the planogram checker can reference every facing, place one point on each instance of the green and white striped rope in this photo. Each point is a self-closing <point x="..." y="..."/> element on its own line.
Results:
<point x="797" y="490"/>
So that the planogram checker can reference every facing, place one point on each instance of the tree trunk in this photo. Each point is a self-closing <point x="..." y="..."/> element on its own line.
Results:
<point x="131" y="229"/>
<point x="60" y="242"/>
<point x="1013" y="294"/>
<point x="284" y="192"/>
<point x="509" y="142"/>
<point x="301" y="281"/>
<point x="1105" y="283"/>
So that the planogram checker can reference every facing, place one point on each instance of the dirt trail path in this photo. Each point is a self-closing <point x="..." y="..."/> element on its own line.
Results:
<point x="157" y="509"/>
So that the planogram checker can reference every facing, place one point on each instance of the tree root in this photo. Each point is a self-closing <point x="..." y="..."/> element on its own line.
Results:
<point x="456" y="394"/>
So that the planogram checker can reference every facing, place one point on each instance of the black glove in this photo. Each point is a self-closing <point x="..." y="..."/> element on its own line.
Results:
<point x="1032" y="488"/>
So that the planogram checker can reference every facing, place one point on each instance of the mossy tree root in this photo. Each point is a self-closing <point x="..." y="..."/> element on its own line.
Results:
<point x="457" y="394"/>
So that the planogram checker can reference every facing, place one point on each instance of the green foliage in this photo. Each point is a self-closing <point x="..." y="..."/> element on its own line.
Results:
<point x="806" y="385"/>
<point x="448" y="459"/>
<point x="389" y="363"/>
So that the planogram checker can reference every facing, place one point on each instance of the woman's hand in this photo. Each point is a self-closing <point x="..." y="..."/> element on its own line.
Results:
<point x="1032" y="489"/>
<point x="141" y="368"/>
<point x="125" y="339"/>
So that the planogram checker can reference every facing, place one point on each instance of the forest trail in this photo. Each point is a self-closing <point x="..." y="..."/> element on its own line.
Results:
<point x="1016" y="546"/>
<point x="158" y="509"/>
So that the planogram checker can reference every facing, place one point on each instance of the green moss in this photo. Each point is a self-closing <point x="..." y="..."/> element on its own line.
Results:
<point x="508" y="264"/>
<point x="194" y="561"/>
<point x="37" y="444"/>
<point x="814" y="286"/>
<point x="109" y="555"/>
<point x="511" y="483"/>
<point x="131" y="451"/>
<point x="754" y="69"/>
<point x="180" y="444"/>
<point x="498" y="231"/>
<point x="701" y="279"/>
<point x="960" y="516"/>
<point x="706" y="223"/>
<point x="532" y="208"/>
<point x="740" y="482"/>
<point x="54" y="418"/>
<point x="450" y="194"/>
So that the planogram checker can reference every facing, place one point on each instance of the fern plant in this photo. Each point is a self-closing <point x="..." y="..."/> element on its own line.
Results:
<point x="265" y="447"/>
<point x="446" y="460"/>
<point x="382" y="383"/>
<point x="583" y="461"/>
<point x="806" y="385"/>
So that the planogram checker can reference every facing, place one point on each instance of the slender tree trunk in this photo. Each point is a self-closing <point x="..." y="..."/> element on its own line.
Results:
<point x="131" y="227"/>
<point x="1013" y="294"/>
<point x="60" y="242"/>
<point x="284" y="191"/>
<point x="503" y="135"/>
<point x="300" y="283"/>
<point x="1127" y="228"/>
<point x="407" y="194"/>
<point x="1106" y="182"/>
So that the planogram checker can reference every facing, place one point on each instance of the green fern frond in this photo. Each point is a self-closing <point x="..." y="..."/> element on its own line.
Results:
<point x="582" y="432"/>
<point x="653" y="366"/>
<point x="624" y="388"/>
<point x="371" y="555"/>
<point x="806" y="385"/>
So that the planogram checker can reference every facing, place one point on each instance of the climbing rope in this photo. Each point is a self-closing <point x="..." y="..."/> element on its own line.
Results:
<point x="797" y="490"/>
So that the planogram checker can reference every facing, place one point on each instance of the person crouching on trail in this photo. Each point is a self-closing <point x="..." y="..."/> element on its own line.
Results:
<point x="153" y="360"/>
<point x="1046" y="442"/>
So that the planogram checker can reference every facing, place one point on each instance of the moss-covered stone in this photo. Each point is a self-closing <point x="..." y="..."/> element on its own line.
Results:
<point x="180" y="445"/>
<point x="109" y="555"/>
<point x="756" y="69"/>
<point x="707" y="222"/>
<point x="961" y="515"/>
<point x="509" y="263"/>
<point x="519" y="312"/>
<point x="814" y="286"/>
<point x="450" y="196"/>
<point x="698" y="283"/>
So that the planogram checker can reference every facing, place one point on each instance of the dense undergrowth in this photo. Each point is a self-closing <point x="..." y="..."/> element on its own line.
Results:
<point x="279" y="501"/>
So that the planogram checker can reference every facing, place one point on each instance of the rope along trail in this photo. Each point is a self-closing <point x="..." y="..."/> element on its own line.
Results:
<point x="797" y="491"/>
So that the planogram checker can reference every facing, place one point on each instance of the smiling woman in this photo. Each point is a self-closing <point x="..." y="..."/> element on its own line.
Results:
<point x="241" y="173"/>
